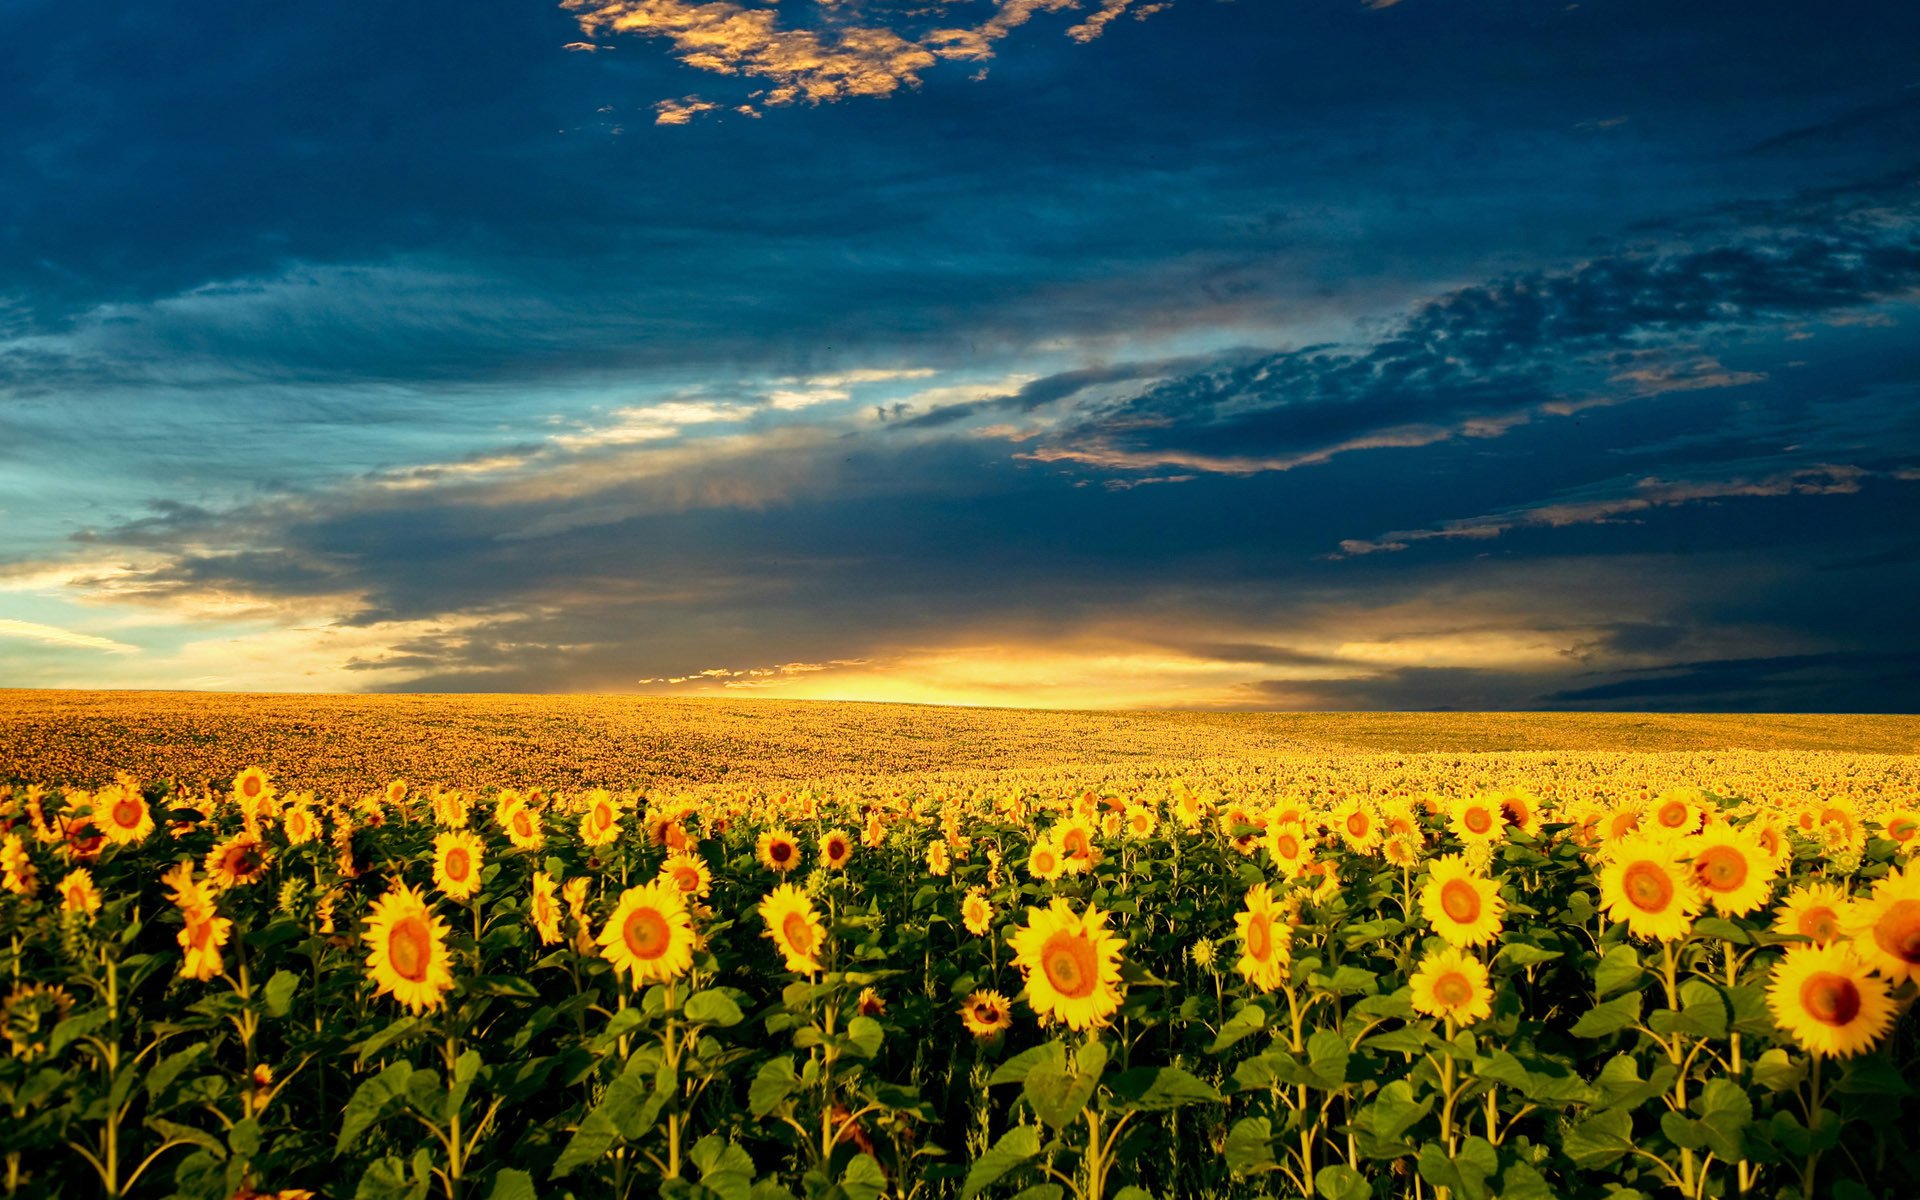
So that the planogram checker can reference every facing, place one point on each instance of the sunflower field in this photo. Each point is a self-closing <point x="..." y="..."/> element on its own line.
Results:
<point x="1209" y="985"/>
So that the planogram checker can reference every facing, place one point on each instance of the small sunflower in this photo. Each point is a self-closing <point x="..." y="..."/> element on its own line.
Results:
<point x="1520" y="810"/>
<point x="1476" y="819"/>
<point x="870" y="1004"/>
<point x="1675" y="813"/>
<point x="1287" y="845"/>
<point x="1812" y="911"/>
<point x="396" y="791"/>
<point x="1451" y="984"/>
<point x="299" y="824"/>
<point x="457" y="856"/>
<point x="836" y="849"/>
<point x="236" y="862"/>
<point x="1734" y="872"/>
<point x="251" y="787"/>
<point x="1902" y="828"/>
<point x="543" y="909"/>
<point x="78" y="893"/>
<point x="976" y="913"/>
<point x="407" y="951"/>
<point x="1078" y="851"/>
<point x="1643" y="883"/>
<point x="650" y="934"/>
<point x="1886" y="927"/>
<point x="1462" y="905"/>
<point x="1266" y="940"/>
<point x="17" y="873"/>
<point x="689" y="873"/>
<point x="1045" y="861"/>
<point x="600" y="821"/>
<point x="1623" y="820"/>
<point x="123" y="814"/>
<point x="523" y="825"/>
<point x="1825" y="997"/>
<point x="778" y="851"/>
<point x="939" y="861"/>
<point x="205" y="932"/>
<point x="874" y="835"/>
<point x="1357" y="825"/>
<point x="1141" y="821"/>
<point x="987" y="1014"/>
<point x="794" y="927"/>
<point x="1072" y="964"/>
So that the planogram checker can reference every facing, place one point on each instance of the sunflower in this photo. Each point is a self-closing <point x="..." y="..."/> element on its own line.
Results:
<point x="1643" y="883"/>
<point x="1266" y="940"/>
<point x="939" y="862"/>
<point x="1476" y="819"/>
<point x="600" y="821"/>
<point x="1825" y="997"/>
<point x="250" y="786"/>
<point x="241" y="859"/>
<point x="1812" y="911"/>
<point x="1675" y="813"/>
<point x="976" y="913"/>
<point x="1462" y="905"/>
<point x="450" y="809"/>
<point x="396" y="791"/>
<point x="689" y="873"/>
<point x="299" y="824"/>
<point x="1520" y="810"/>
<point x="523" y="826"/>
<point x="987" y="1014"/>
<point x="870" y="1004"/>
<point x="457" y="855"/>
<point x="1886" y="928"/>
<point x="794" y="927"/>
<point x="1189" y="809"/>
<point x="407" y="951"/>
<point x="123" y="814"/>
<point x="650" y="934"/>
<point x="874" y="835"/>
<point x="836" y="849"/>
<point x="1451" y="984"/>
<point x="1734" y="872"/>
<point x="1287" y="845"/>
<point x="1623" y="820"/>
<point x="185" y="893"/>
<point x="1902" y="828"/>
<point x="1141" y="821"/>
<point x="78" y="893"/>
<point x="1072" y="964"/>
<point x="778" y="851"/>
<point x="1075" y="839"/>
<point x="1045" y="862"/>
<point x="205" y="932"/>
<point x="16" y="869"/>
<point x="1357" y="826"/>
<point x="542" y="908"/>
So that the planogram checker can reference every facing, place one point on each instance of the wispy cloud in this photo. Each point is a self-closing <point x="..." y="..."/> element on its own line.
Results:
<point x="53" y="635"/>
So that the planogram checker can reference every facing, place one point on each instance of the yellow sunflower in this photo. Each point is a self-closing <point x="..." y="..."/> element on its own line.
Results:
<point x="251" y="787"/>
<point x="1623" y="820"/>
<point x="123" y="814"/>
<point x="1266" y="940"/>
<point x="407" y="951"/>
<point x="1451" y="984"/>
<point x="874" y="835"/>
<point x="1825" y="997"/>
<point x="240" y="860"/>
<point x="1357" y="826"/>
<point x="299" y="824"/>
<point x="523" y="825"/>
<point x="457" y="855"/>
<point x="543" y="909"/>
<point x="1520" y="810"/>
<point x="600" y="821"/>
<point x="205" y="932"/>
<point x="976" y="913"/>
<point x="650" y="934"/>
<point x="396" y="791"/>
<point x="1732" y="869"/>
<point x="794" y="927"/>
<point x="1886" y="927"/>
<point x="1072" y="965"/>
<point x="17" y="873"/>
<point x="1077" y="849"/>
<point x="1045" y="861"/>
<point x="1476" y="819"/>
<point x="689" y="873"/>
<point x="1902" y="828"/>
<point x="1287" y="845"/>
<point x="1462" y="905"/>
<point x="987" y="1014"/>
<point x="939" y="862"/>
<point x="1643" y="883"/>
<point x="1141" y="821"/>
<point x="78" y="893"/>
<point x="836" y="849"/>
<point x="1675" y="813"/>
<point x="778" y="851"/>
<point x="1812" y="911"/>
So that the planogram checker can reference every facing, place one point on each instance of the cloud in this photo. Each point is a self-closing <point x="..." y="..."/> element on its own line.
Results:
<point x="53" y="635"/>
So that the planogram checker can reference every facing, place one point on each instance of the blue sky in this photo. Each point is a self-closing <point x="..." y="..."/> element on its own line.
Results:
<point x="1306" y="355"/>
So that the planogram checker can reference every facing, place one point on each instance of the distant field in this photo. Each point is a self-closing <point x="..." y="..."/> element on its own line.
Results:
<point x="343" y="742"/>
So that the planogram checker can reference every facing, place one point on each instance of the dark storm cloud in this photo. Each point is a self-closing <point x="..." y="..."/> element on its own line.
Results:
<point x="1835" y="682"/>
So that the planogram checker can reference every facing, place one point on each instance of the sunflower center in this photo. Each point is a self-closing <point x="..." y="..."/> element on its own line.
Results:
<point x="1898" y="930"/>
<point x="409" y="948"/>
<point x="1821" y="924"/>
<point x="646" y="933"/>
<point x="1648" y="887"/>
<point x="1720" y="868"/>
<point x="523" y="824"/>
<point x="1902" y="829"/>
<point x="836" y="849"/>
<point x="798" y="933"/>
<point x="1260" y="937"/>
<point x="243" y="860"/>
<point x="1289" y="845"/>
<point x="686" y="879"/>
<point x="1513" y="812"/>
<point x="1069" y="963"/>
<point x="1075" y="843"/>
<point x="1460" y="900"/>
<point x="458" y="863"/>
<point x="201" y="933"/>
<point x="126" y="812"/>
<point x="1478" y="820"/>
<point x="780" y="852"/>
<point x="1453" y="989"/>
<point x="251" y="787"/>
<point x="983" y="1013"/>
<point x="1830" y="999"/>
<point x="1357" y="824"/>
<point x="1672" y="815"/>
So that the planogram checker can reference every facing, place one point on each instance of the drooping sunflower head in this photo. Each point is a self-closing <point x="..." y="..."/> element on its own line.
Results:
<point x="1826" y="998"/>
<point x="204" y="933"/>
<point x="236" y="862"/>
<point x="1886" y="927"/>
<point x="1072" y="965"/>
<point x="650" y="934"/>
<point x="778" y="851"/>
<point x="407" y="951"/>
<point x="987" y="1014"/>
<point x="1732" y="870"/>
<point x="1452" y="985"/>
<point x="457" y="857"/>
<point x="1266" y="940"/>
<point x="794" y="927"/>
<point x="836" y="849"/>
<point x="1463" y="906"/>
<point x="1644" y="883"/>
<point x="544" y="909"/>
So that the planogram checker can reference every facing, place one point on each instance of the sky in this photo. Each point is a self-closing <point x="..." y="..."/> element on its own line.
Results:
<point x="1314" y="354"/>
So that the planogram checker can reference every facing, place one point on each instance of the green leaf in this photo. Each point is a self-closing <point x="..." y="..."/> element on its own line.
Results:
<point x="774" y="1083"/>
<point x="1873" y="1075"/>
<point x="1250" y="1147"/>
<point x="1156" y="1089"/>
<point x="1250" y="1019"/>
<point x="511" y="1184"/>
<point x="1600" y="1139"/>
<point x="1725" y="1112"/>
<point x="388" y="1179"/>
<point x="1608" y="1018"/>
<point x="1618" y="971"/>
<point x="1398" y="1003"/>
<point x="864" y="1035"/>
<point x="279" y="992"/>
<point x="369" y="1101"/>
<point x="863" y="1179"/>
<point x="1522" y="954"/>
<point x="74" y="1028"/>
<point x="1341" y="1183"/>
<point x="1720" y="927"/>
<point x="168" y="1069"/>
<point x="1015" y="1146"/>
<point x="187" y="1133"/>
<point x="386" y="1037"/>
<point x="1395" y="1110"/>
<point x="1015" y="1069"/>
<point x="714" y="1007"/>
<point x="1346" y="981"/>
<point x="1521" y="1182"/>
<point x="1682" y="1132"/>
<point x="1327" y="1056"/>
<point x="1777" y="1071"/>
